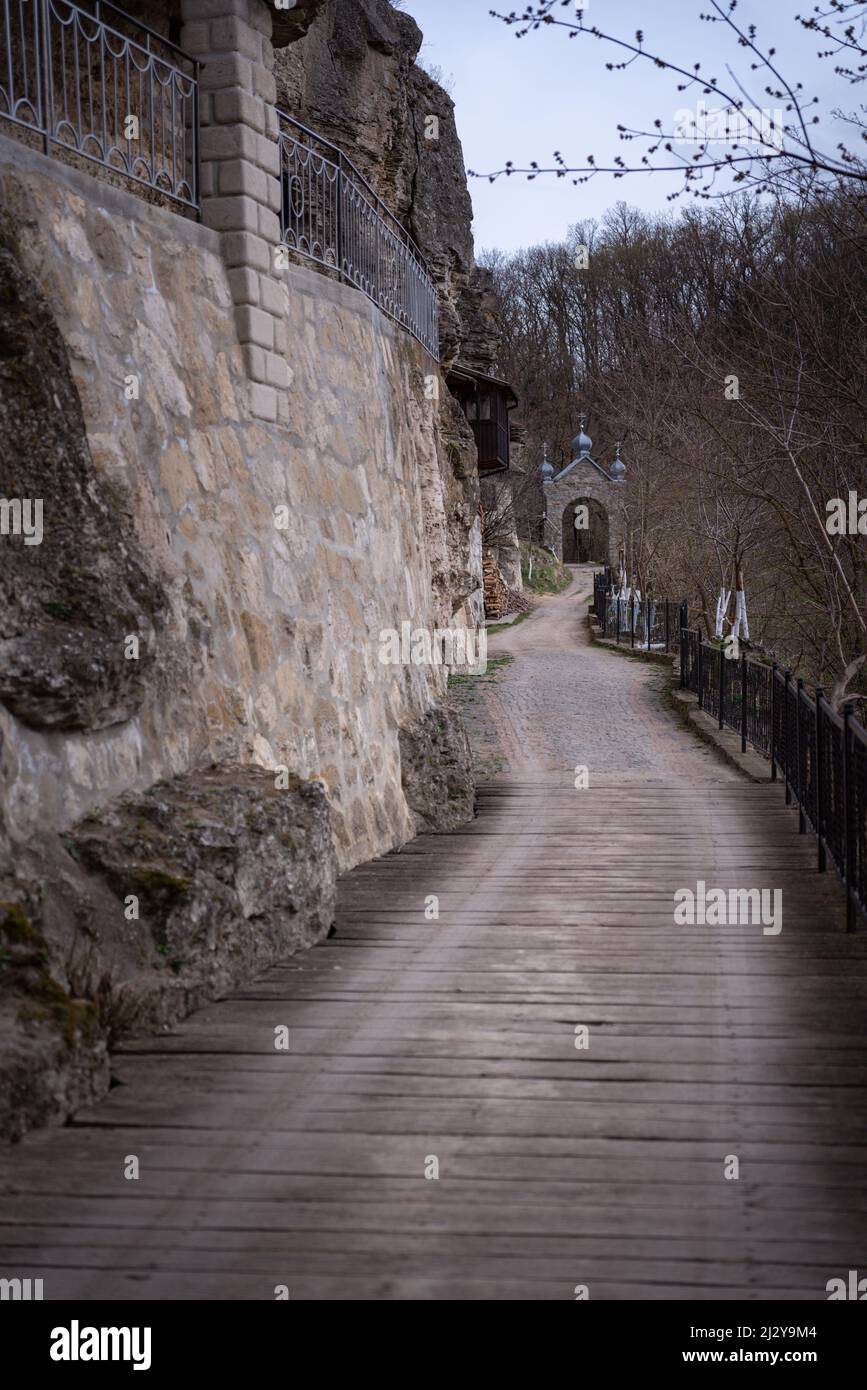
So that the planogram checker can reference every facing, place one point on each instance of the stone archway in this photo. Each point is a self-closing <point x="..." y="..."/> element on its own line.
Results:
<point x="590" y="544"/>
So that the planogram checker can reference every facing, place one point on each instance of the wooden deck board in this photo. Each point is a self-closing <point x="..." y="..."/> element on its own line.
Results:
<point x="455" y="1037"/>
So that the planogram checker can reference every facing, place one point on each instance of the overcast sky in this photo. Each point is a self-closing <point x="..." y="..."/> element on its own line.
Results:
<point x="521" y="99"/>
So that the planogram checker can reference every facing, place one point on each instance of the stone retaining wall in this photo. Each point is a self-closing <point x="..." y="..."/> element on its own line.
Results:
<point x="280" y="549"/>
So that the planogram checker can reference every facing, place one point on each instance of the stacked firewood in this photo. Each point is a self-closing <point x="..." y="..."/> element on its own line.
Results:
<point x="500" y="600"/>
<point x="496" y="593"/>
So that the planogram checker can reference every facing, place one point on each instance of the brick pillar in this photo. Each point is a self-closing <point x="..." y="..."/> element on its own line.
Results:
<point x="240" y="176"/>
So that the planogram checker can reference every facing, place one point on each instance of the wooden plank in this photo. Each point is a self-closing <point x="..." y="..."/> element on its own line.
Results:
<point x="457" y="1038"/>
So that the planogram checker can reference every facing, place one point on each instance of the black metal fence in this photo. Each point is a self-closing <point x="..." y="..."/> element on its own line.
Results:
<point x="821" y="756"/>
<point x="92" y="80"/>
<point x="601" y="585"/>
<point x="331" y="215"/>
<point x="651" y="623"/>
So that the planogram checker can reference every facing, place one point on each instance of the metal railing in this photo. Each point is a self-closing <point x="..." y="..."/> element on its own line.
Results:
<point x="92" y="80"/>
<point x="331" y="215"/>
<point x="820" y="755"/>
<point x="651" y="623"/>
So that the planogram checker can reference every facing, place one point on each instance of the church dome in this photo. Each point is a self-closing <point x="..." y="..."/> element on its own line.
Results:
<point x="581" y="445"/>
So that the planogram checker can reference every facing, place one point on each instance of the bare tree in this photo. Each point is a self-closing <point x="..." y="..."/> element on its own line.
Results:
<point x="744" y="137"/>
<point x="727" y="348"/>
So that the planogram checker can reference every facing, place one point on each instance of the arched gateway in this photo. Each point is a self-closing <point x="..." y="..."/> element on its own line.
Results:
<point x="584" y="483"/>
<point x="584" y="532"/>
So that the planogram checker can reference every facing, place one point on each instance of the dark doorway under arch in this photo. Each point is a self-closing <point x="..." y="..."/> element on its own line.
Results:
<point x="588" y="545"/>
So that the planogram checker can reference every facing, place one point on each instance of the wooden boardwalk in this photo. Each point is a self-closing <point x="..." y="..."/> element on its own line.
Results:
<point x="412" y="1039"/>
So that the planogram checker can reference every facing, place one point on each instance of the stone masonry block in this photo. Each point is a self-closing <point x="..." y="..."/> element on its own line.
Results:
<point x="272" y="295"/>
<point x="259" y="16"/>
<point x="272" y="123"/>
<point x="229" y="71"/>
<point x="255" y="326"/>
<point x="216" y="9"/>
<point x="254" y="360"/>
<point x="269" y="224"/>
<point x="268" y="152"/>
<point x="229" y="142"/>
<point x="238" y="176"/>
<point x="264" y="84"/>
<point x="235" y="35"/>
<point x="234" y="107"/>
<point x="194" y="37"/>
<point x="263" y="401"/>
<point x="243" y="248"/>
<point x="273" y="194"/>
<point x="207" y="180"/>
<point x="281" y="336"/>
<point x="244" y="284"/>
<point x="277" y="370"/>
<point x="232" y="214"/>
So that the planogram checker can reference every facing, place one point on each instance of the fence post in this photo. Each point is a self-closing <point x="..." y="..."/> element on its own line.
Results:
<point x="617" y="603"/>
<point x="700" y="670"/>
<point x="722" y="684"/>
<point x="743" y="702"/>
<point x="647" y="619"/>
<point x="667" y="626"/>
<point x="773" y="721"/>
<point x="848" y="819"/>
<point x="339" y="228"/>
<point x="820" y="780"/>
<point x="787" y="681"/>
<point x="44" y="73"/>
<point x="802" y="824"/>
<point x="632" y="619"/>
<point x="683" y="643"/>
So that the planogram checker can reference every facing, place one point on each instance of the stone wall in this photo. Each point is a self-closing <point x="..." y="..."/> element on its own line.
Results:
<point x="262" y="644"/>
<point x="208" y="595"/>
<point x="247" y="474"/>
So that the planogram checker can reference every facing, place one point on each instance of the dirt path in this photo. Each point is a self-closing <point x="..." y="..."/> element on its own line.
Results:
<point x="564" y="701"/>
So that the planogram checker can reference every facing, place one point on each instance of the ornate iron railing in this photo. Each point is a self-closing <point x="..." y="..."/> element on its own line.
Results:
<point x="90" y="79"/>
<point x="331" y="215"/>
<point x="820" y="755"/>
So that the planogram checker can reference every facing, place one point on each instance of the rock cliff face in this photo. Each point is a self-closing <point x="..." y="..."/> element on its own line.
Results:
<point x="436" y="766"/>
<point x="150" y="907"/>
<point x="349" y="72"/>
<point x="347" y="69"/>
<point x="76" y="586"/>
<point x="219" y="872"/>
